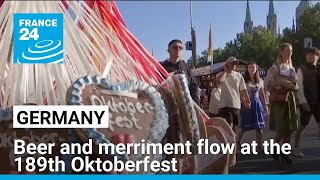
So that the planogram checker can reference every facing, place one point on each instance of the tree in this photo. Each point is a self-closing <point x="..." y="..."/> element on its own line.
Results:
<point x="309" y="26"/>
<point x="260" y="46"/>
<point x="263" y="47"/>
<point x="202" y="60"/>
<point x="198" y="59"/>
<point x="219" y="55"/>
<point x="232" y="48"/>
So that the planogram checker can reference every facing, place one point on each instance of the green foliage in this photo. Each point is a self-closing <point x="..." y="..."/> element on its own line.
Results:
<point x="260" y="46"/>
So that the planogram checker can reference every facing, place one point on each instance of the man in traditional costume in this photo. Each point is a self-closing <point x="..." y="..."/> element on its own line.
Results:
<point x="309" y="94"/>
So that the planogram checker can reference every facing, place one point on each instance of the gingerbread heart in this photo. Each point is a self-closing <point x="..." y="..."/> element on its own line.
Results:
<point x="35" y="136"/>
<point x="137" y="112"/>
<point x="188" y="120"/>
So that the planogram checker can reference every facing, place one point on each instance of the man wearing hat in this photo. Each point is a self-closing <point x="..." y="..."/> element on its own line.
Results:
<point x="233" y="91"/>
<point x="309" y="94"/>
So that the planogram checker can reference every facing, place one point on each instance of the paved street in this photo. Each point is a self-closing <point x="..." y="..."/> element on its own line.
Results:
<point x="263" y="164"/>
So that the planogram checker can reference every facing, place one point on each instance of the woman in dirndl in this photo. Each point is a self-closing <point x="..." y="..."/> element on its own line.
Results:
<point x="253" y="118"/>
<point x="281" y="83"/>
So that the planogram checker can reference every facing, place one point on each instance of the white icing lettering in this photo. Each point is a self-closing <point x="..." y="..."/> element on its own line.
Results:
<point x="94" y="99"/>
<point x="114" y="105"/>
<point x="135" y="121"/>
<point x="127" y="120"/>
<point x="139" y="108"/>
<point x="131" y="107"/>
<point x="118" y="121"/>
<point x="147" y="107"/>
<point x="124" y="122"/>
<point x="111" y="108"/>
<point x="6" y="141"/>
<point x="122" y="107"/>
<point x="129" y="123"/>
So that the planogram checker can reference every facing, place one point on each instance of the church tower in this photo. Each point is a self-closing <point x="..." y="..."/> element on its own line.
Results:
<point x="272" y="19"/>
<point x="248" y="23"/>
<point x="303" y="6"/>
<point x="293" y="26"/>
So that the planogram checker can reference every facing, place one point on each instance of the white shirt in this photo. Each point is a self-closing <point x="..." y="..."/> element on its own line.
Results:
<point x="214" y="104"/>
<point x="301" y="97"/>
<point x="230" y="90"/>
<point x="259" y="85"/>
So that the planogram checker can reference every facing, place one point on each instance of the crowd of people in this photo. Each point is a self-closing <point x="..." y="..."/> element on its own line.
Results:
<point x="246" y="100"/>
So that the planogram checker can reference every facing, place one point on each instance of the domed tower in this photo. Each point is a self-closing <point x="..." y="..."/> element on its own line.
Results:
<point x="248" y="23"/>
<point x="303" y="6"/>
<point x="272" y="19"/>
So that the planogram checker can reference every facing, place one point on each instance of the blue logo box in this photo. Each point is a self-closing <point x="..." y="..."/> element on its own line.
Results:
<point x="38" y="38"/>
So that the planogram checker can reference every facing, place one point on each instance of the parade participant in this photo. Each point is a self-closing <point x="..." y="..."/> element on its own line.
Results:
<point x="233" y="91"/>
<point x="281" y="83"/>
<point x="175" y="63"/>
<point x="253" y="118"/>
<point x="308" y="94"/>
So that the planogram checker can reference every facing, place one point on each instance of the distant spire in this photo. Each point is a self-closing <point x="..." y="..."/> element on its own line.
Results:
<point x="272" y="19"/>
<point x="248" y="24"/>
<point x="279" y="31"/>
<point x="248" y="14"/>
<point x="210" y="47"/>
<point x="293" y="26"/>
<point x="271" y="8"/>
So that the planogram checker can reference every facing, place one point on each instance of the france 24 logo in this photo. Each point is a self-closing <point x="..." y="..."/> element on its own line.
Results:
<point x="38" y="38"/>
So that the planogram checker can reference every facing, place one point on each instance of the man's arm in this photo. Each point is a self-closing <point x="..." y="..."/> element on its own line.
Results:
<point x="244" y="96"/>
<point x="302" y="99"/>
<point x="221" y="77"/>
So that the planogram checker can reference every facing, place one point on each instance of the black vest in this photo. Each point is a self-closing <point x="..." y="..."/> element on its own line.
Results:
<point x="311" y="82"/>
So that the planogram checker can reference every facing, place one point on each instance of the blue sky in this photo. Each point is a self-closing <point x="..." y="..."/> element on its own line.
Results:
<point x="155" y="23"/>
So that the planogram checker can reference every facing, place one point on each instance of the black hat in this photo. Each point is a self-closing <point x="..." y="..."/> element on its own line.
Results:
<point x="313" y="50"/>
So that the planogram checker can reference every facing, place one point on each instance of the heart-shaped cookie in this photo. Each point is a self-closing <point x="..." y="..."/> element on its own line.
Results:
<point x="173" y="132"/>
<point x="212" y="164"/>
<point x="137" y="112"/>
<point x="188" y="120"/>
<point x="227" y="131"/>
<point x="36" y="136"/>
